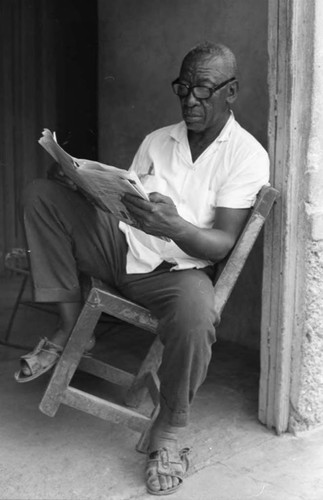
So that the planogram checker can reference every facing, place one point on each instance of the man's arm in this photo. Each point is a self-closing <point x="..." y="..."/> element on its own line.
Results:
<point x="159" y="217"/>
<point x="213" y="244"/>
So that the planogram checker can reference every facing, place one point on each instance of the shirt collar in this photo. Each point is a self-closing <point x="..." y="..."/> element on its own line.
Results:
<point x="179" y="130"/>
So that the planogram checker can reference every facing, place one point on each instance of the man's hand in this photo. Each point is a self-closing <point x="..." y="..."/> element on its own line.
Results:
<point x="55" y="173"/>
<point x="158" y="216"/>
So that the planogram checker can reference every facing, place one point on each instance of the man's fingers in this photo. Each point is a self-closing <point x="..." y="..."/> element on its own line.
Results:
<point x="147" y="205"/>
<point x="70" y="183"/>
<point x="160" y="198"/>
<point x="55" y="173"/>
<point x="137" y="211"/>
<point x="137" y="202"/>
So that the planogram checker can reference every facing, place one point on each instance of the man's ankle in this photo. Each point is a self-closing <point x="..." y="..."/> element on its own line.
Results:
<point x="163" y="435"/>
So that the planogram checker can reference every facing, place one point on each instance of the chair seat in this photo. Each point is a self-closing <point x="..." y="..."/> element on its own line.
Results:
<point x="118" y="306"/>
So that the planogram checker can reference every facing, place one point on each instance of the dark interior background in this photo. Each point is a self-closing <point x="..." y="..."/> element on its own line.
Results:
<point x="99" y="73"/>
<point x="48" y="78"/>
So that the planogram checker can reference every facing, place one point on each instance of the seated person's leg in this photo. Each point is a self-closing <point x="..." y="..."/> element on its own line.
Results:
<point x="184" y="303"/>
<point x="66" y="236"/>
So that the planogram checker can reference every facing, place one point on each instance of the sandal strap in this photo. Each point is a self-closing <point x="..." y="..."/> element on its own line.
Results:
<point x="43" y="345"/>
<point x="160" y="463"/>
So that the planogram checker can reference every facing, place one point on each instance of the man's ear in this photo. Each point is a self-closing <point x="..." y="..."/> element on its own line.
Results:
<point x="233" y="89"/>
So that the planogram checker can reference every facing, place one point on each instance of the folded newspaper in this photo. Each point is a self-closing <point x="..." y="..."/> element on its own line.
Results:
<point x="103" y="184"/>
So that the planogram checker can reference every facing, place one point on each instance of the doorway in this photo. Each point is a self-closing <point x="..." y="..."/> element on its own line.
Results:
<point x="50" y="45"/>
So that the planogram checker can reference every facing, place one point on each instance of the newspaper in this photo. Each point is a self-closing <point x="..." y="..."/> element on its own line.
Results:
<point x="103" y="184"/>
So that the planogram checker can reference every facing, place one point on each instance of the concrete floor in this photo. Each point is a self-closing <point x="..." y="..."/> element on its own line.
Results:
<point x="77" y="456"/>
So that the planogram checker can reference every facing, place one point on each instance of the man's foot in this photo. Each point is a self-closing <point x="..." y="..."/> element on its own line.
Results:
<point x="39" y="361"/>
<point x="44" y="357"/>
<point x="47" y="352"/>
<point x="166" y="465"/>
<point x="165" y="471"/>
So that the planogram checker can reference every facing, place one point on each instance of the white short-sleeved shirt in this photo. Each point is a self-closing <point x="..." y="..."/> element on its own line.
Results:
<point x="229" y="173"/>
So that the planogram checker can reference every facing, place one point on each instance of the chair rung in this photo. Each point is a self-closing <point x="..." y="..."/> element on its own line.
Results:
<point x="106" y="410"/>
<point x="106" y="372"/>
<point x="153" y="385"/>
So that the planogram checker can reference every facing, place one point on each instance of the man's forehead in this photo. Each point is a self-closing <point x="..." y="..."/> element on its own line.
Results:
<point x="204" y="65"/>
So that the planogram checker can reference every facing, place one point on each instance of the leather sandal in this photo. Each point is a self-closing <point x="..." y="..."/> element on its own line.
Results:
<point x="36" y="367"/>
<point x="160" y="463"/>
<point x="32" y="361"/>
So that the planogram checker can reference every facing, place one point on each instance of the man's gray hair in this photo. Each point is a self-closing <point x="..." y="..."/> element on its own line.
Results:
<point x="215" y="50"/>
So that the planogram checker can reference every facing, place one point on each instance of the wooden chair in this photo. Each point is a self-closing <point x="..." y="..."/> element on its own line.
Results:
<point x="102" y="299"/>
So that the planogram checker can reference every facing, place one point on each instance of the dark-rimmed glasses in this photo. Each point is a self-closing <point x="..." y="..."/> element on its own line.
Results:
<point x="199" y="91"/>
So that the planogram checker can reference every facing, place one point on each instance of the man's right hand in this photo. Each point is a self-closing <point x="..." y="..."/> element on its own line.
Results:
<point x="55" y="173"/>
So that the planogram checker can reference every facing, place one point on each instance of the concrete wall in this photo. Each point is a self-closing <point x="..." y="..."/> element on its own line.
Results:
<point x="141" y="45"/>
<point x="307" y="367"/>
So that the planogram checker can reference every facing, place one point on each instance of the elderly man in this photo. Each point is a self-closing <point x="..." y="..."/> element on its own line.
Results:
<point x="203" y="175"/>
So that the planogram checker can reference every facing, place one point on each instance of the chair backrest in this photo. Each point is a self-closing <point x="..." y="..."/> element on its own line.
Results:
<point x="237" y="258"/>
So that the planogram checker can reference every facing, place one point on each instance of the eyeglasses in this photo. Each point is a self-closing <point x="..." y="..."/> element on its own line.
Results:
<point x="199" y="91"/>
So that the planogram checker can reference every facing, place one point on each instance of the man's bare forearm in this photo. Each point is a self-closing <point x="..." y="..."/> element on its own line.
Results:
<point x="159" y="217"/>
<point x="207" y="244"/>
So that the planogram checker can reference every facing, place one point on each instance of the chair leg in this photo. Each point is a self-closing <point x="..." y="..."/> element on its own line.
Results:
<point x="70" y="358"/>
<point x="143" y="443"/>
<point x="15" y="308"/>
<point x="138" y="390"/>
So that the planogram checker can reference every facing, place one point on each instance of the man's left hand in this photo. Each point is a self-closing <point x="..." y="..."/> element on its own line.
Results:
<point x="158" y="216"/>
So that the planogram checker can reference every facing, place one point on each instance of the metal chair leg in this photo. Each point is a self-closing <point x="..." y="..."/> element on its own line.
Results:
<point x="15" y="309"/>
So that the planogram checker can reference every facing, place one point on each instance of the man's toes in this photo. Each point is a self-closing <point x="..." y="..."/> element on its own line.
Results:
<point x="175" y="482"/>
<point x="154" y="484"/>
<point x="165" y="482"/>
<point x="25" y="369"/>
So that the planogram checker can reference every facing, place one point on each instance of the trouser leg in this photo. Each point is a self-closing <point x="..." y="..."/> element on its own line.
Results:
<point x="183" y="302"/>
<point x="67" y="236"/>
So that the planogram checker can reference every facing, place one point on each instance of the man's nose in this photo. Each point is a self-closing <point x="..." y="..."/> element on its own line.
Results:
<point x="190" y="99"/>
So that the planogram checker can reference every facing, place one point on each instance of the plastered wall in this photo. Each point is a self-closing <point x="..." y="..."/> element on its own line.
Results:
<point x="307" y="366"/>
<point x="141" y="45"/>
<point x="307" y="373"/>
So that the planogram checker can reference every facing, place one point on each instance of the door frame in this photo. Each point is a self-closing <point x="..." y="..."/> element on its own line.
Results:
<point x="290" y="50"/>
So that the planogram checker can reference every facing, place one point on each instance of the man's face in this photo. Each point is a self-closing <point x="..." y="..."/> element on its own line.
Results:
<point x="209" y="71"/>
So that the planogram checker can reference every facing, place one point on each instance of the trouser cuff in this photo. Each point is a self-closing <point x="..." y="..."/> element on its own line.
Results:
<point x="177" y="418"/>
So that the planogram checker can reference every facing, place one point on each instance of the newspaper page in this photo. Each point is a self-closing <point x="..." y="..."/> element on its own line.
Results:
<point x="103" y="184"/>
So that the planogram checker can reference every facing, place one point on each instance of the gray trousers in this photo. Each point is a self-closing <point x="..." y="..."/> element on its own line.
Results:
<point x="67" y="236"/>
